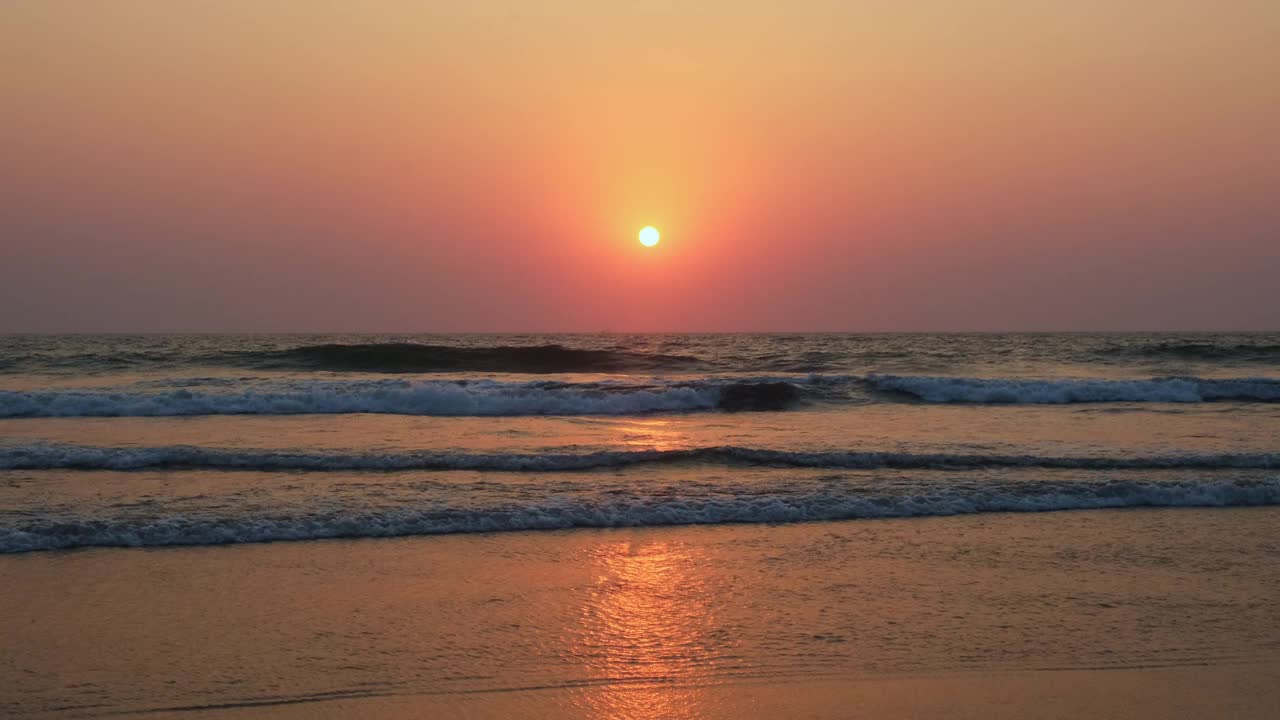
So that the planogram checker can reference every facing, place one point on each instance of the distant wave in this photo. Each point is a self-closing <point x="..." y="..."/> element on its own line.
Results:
<point x="445" y="398"/>
<point x="1015" y="391"/>
<point x="43" y="456"/>
<point x="1197" y="350"/>
<point x="629" y="354"/>
<point x="419" y="358"/>
<point x="377" y="357"/>
<point x="551" y="513"/>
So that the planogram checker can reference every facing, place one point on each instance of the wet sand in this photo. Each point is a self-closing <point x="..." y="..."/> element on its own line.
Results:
<point x="1212" y="692"/>
<point x="1125" y="614"/>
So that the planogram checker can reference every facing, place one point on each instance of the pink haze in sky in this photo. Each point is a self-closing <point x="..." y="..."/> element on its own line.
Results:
<point x="485" y="165"/>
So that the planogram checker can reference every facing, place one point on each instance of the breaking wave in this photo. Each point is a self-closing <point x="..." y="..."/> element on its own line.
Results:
<point x="1013" y="391"/>
<point x="443" y="398"/>
<point x="43" y="456"/>
<point x="495" y="398"/>
<point x="548" y="514"/>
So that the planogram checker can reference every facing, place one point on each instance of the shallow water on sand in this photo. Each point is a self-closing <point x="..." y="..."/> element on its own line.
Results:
<point x="639" y="623"/>
<point x="817" y="467"/>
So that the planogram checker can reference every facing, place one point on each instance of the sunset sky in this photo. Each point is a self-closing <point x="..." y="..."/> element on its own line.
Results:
<point x="456" y="165"/>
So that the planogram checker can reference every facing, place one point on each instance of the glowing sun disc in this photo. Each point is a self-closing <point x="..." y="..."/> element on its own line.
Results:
<point x="649" y="236"/>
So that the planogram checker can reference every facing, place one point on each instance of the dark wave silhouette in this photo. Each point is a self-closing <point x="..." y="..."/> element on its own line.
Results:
<point x="417" y="358"/>
<point x="944" y="355"/>
<point x="1192" y="350"/>
<point x="759" y="396"/>
<point x="1020" y="391"/>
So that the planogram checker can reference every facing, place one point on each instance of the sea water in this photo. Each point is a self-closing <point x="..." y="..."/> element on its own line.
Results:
<point x="206" y="439"/>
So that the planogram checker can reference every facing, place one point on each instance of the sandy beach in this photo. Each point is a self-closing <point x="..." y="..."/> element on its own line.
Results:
<point x="639" y="360"/>
<point x="1124" y="614"/>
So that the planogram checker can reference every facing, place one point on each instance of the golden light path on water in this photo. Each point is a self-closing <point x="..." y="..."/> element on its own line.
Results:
<point x="648" y="633"/>
<point x="653" y="434"/>
<point x="647" y="617"/>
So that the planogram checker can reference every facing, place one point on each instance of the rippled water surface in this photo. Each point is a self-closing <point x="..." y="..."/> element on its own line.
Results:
<point x="514" y="506"/>
<point x="643" y="623"/>
<point x="191" y="440"/>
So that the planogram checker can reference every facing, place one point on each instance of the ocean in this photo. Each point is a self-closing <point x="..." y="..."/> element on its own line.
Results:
<point x="161" y="440"/>
<point x="644" y="527"/>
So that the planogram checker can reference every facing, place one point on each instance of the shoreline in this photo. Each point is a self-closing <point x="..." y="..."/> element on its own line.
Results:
<point x="1235" y="491"/>
<point x="1244" y="691"/>
<point x="1145" y="613"/>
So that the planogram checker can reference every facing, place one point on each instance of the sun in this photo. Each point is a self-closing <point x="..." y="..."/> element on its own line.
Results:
<point x="649" y="236"/>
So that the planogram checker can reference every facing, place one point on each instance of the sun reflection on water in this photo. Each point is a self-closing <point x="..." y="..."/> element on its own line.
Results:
<point x="647" y="631"/>
<point x="653" y="434"/>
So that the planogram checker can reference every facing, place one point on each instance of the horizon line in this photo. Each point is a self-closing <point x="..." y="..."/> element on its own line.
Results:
<point x="1201" y="331"/>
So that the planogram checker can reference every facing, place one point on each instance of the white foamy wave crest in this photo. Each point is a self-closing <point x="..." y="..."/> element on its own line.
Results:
<point x="1001" y="390"/>
<point x="49" y="456"/>
<point x="52" y="534"/>
<point x="401" y="398"/>
<point x="220" y="396"/>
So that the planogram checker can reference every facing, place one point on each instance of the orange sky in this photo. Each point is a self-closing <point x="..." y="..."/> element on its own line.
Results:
<point x="485" y="165"/>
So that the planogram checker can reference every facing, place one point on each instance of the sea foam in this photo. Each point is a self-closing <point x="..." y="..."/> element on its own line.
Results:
<point x="625" y="397"/>
<point x="483" y="398"/>
<point x="72" y="532"/>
